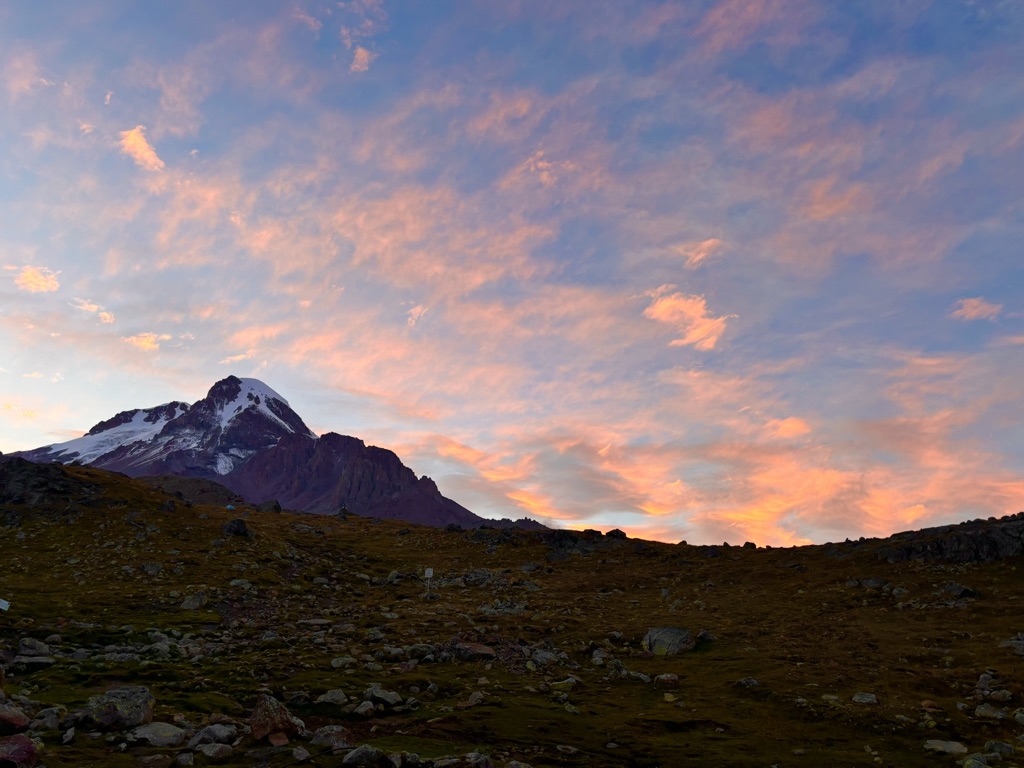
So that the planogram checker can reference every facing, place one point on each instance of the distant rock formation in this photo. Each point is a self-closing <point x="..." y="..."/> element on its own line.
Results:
<point x="975" y="541"/>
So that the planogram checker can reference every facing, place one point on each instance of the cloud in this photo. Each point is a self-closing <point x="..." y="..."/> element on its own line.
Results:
<point x="313" y="24"/>
<point x="238" y="358"/>
<point x="416" y="314"/>
<point x="696" y="253"/>
<point x="105" y="317"/>
<point x="975" y="309"/>
<point x="134" y="144"/>
<point x="361" y="59"/>
<point x="149" y="342"/>
<point x="36" y="279"/>
<point x="689" y="315"/>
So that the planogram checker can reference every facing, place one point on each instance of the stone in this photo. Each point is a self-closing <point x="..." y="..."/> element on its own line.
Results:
<point x="475" y="652"/>
<point x="161" y="735"/>
<point x="273" y="505"/>
<point x="48" y="719"/>
<point x="666" y="680"/>
<point x="18" y="751"/>
<point x="12" y="720"/>
<point x="29" y="646"/>
<point x="217" y="733"/>
<point x="215" y="752"/>
<point x="334" y="737"/>
<point x="668" y="641"/>
<point x="988" y="712"/>
<point x="334" y="696"/>
<point x="236" y="527"/>
<point x="1000" y="748"/>
<point x="376" y="694"/>
<point x="120" y="708"/>
<point x="271" y="716"/>
<point x="365" y="755"/>
<point x="945" y="747"/>
<point x="865" y="698"/>
<point x="194" y="602"/>
<point x="365" y="709"/>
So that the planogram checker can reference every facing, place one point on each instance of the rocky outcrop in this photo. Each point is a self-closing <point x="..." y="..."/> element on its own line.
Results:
<point x="335" y="472"/>
<point x="976" y="541"/>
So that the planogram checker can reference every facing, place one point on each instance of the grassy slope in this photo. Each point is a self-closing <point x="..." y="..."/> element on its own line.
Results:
<point x="784" y="617"/>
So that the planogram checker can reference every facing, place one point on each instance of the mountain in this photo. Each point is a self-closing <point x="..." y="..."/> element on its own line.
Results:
<point x="246" y="436"/>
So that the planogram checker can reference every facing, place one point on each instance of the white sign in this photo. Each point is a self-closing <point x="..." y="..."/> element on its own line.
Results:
<point x="429" y="573"/>
<point x="4" y="605"/>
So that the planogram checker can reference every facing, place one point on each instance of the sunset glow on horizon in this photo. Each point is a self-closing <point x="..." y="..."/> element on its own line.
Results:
<point x="722" y="270"/>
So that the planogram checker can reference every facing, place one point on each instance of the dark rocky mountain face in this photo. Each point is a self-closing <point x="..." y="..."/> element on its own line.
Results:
<point x="247" y="438"/>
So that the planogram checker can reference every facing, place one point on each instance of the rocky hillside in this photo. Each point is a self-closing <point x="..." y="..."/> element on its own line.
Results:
<point x="149" y="630"/>
<point x="246" y="437"/>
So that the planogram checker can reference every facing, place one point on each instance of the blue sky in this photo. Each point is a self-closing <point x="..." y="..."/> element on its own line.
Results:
<point x="699" y="270"/>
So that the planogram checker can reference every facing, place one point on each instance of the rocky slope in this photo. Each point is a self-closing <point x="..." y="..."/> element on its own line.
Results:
<point x="245" y="436"/>
<point x="148" y="631"/>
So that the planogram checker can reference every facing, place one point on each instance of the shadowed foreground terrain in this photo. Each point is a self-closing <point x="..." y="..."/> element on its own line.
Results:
<point x="148" y="630"/>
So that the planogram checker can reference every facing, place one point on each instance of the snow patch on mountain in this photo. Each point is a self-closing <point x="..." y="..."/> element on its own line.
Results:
<point x="141" y="428"/>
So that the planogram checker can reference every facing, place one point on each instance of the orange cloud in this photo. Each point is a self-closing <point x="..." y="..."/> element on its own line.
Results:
<point x="696" y="253"/>
<point x="134" y="144"/>
<point x="689" y="315"/>
<point x="35" y="279"/>
<point x="148" y="342"/>
<point x="105" y="317"/>
<point x="975" y="309"/>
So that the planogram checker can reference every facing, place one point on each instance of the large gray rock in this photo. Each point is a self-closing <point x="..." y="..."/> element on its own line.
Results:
<point x="945" y="747"/>
<point x="161" y="735"/>
<point x="668" y="641"/>
<point x="365" y="755"/>
<point x="271" y="716"/>
<point x="29" y="646"/>
<point x="120" y="708"/>
<point x="218" y="733"/>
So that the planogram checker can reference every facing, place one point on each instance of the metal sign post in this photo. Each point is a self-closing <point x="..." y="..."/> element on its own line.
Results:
<point x="429" y="573"/>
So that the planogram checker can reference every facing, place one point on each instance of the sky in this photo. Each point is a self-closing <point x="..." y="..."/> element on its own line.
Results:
<point x="713" y="270"/>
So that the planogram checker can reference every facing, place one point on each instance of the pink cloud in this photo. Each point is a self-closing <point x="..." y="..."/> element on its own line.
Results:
<point x="361" y="59"/>
<point x="975" y="309"/>
<point x="689" y="315"/>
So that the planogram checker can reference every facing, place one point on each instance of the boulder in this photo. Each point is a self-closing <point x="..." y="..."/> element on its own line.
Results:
<point x="29" y="646"/>
<point x="271" y="717"/>
<point x="366" y="755"/>
<point x="120" y="708"/>
<point x="236" y="527"/>
<point x="475" y="652"/>
<point x="18" y="751"/>
<point x="668" y="641"/>
<point x="160" y="735"/>
<point x="12" y="720"/>
<point x="217" y="733"/>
